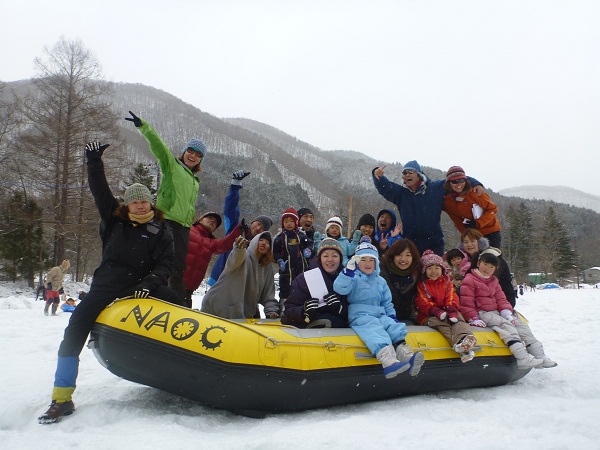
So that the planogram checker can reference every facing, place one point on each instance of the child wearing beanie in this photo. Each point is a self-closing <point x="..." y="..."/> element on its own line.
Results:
<point x="365" y="227"/>
<point x="371" y="313"/>
<point x="291" y="250"/>
<point x="438" y="306"/>
<point x="334" y="230"/>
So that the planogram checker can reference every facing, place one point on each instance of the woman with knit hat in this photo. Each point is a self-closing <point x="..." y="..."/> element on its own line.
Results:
<point x="468" y="209"/>
<point x="137" y="259"/>
<point x="312" y="301"/>
<point x="177" y="192"/>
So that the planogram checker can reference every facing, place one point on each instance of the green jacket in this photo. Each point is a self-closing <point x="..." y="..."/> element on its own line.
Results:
<point x="178" y="185"/>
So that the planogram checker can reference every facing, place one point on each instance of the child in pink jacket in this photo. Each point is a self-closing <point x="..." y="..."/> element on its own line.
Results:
<point x="483" y="303"/>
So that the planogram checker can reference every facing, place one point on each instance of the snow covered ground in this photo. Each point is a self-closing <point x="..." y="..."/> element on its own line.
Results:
<point x="547" y="409"/>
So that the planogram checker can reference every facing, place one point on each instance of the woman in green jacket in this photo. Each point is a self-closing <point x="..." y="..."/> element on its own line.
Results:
<point x="177" y="192"/>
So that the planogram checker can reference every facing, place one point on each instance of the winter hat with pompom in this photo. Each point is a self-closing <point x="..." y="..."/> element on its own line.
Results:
<point x="429" y="259"/>
<point x="291" y="213"/>
<point x="365" y="248"/>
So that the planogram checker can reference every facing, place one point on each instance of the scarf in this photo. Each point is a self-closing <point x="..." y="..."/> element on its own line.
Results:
<point x="480" y="274"/>
<point x="393" y="268"/>
<point x="141" y="218"/>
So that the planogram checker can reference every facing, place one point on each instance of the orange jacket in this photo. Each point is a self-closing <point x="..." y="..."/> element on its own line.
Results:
<point x="460" y="207"/>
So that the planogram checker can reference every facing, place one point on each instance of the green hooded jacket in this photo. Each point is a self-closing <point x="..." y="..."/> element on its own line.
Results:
<point x="178" y="185"/>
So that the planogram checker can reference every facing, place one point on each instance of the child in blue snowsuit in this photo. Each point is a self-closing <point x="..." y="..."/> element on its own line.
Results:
<point x="371" y="313"/>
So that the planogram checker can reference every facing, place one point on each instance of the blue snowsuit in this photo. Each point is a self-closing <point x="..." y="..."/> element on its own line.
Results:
<point x="370" y="308"/>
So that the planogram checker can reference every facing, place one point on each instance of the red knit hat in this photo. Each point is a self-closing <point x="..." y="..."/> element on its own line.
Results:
<point x="290" y="212"/>
<point x="455" y="173"/>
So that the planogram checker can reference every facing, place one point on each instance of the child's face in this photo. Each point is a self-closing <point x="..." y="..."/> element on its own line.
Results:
<point x="486" y="269"/>
<point x="367" y="264"/>
<point x="333" y="231"/>
<point x="433" y="272"/>
<point x="403" y="260"/>
<point x="455" y="262"/>
<point x="366" y="230"/>
<point x="289" y="224"/>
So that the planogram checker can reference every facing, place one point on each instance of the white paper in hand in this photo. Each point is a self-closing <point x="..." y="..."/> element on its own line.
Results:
<point x="477" y="211"/>
<point x="316" y="284"/>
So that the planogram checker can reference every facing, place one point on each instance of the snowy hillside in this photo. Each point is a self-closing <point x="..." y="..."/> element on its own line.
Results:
<point x="559" y="194"/>
<point x="549" y="409"/>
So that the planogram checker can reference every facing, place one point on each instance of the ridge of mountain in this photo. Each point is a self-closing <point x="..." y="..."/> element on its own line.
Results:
<point x="558" y="194"/>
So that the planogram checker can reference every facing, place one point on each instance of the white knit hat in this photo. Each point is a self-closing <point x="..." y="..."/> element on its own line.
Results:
<point x="335" y="220"/>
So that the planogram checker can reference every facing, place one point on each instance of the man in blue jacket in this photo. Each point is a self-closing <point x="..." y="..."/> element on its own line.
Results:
<point x="419" y="201"/>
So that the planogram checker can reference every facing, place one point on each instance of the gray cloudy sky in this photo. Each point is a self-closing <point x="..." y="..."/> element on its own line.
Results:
<point x="508" y="89"/>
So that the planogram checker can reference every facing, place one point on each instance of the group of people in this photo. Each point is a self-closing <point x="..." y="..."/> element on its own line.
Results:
<point x="375" y="282"/>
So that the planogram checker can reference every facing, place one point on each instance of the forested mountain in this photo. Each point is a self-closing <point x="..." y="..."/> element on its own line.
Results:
<point x="559" y="194"/>
<point x="286" y="171"/>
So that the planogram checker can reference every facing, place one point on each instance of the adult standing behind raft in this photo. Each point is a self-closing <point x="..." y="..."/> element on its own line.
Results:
<point x="177" y="193"/>
<point x="419" y="201"/>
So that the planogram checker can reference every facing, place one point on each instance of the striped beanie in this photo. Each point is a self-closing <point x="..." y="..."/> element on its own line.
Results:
<point x="330" y="244"/>
<point x="455" y="173"/>
<point x="334" y="221"/>
<point x="290" y="212"/>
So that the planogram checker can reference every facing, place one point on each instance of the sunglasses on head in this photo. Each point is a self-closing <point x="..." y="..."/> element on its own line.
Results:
<point x="462" y="180"/>
<point x="408" y="172"/>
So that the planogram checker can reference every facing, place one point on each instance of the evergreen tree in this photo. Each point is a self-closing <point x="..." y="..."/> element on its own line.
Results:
<point x="518" y="234"/>
<point x="555" y="253"/>
<point x="141" y="174"/>
<point x="22" y="239"/>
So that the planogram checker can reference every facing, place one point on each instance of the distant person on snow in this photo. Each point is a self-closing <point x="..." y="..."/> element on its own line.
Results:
<point x="177" y="193"/>
<point x="54" y="285"/>
<point x="137" y="259"/>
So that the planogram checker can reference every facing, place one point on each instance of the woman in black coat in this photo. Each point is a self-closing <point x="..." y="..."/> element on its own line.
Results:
<point x="307" y="307"/>
<point x="137" y="259"/>
<point x="400" y="269"/>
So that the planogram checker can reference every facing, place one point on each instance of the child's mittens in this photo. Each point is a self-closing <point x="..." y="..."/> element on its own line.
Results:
<point x="477" y="322"/>
<point x="356" y="237"/>
<point x="351" y="266"/>
<point x="282" y="265"/>
<point x="316" y="237"/>
<point x="394" y="318"/>
<point x="452" y="314"/>
<point x="307" y="252"/>
<point x="508" y="315"/>
<point x="437" y="312"/>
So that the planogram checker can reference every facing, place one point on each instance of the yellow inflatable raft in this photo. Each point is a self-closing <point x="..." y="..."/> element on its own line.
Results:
<point x="254" y="367"/>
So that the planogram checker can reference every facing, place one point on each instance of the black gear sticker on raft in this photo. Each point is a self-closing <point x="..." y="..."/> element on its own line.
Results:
<point x="208" y="345"/>
<point x="183" y="329"/>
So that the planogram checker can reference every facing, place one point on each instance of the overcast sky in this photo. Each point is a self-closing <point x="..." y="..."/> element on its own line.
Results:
<point x="510" y="90"/>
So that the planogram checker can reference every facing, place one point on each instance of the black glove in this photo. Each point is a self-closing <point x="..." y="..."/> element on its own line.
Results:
<point x="469" y="223"/>
<point x="141" y="293"/>
<point x="240" y="175"/>
<point x="135" y="119"/>
<point x="94" y="150"/>
<point x="312" y="309"/>
<point x="244" y="227"/>
<point x="333" y="302"/>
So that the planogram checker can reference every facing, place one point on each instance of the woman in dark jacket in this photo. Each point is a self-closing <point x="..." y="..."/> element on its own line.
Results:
<point x="308" y="305"/>
<point x="400" y="269"/>
<point x="137" y="259"/>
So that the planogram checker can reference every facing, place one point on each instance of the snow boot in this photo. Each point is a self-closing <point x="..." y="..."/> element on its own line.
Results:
<point x="466" y="344"/>
<point x="57" y="411"/>
<point x="537" y="350"/>
<point x="391" y="366"/>
<point x="524" y="359"/>
<point x="467" y="356"/>
<point x="405" y="353"/>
